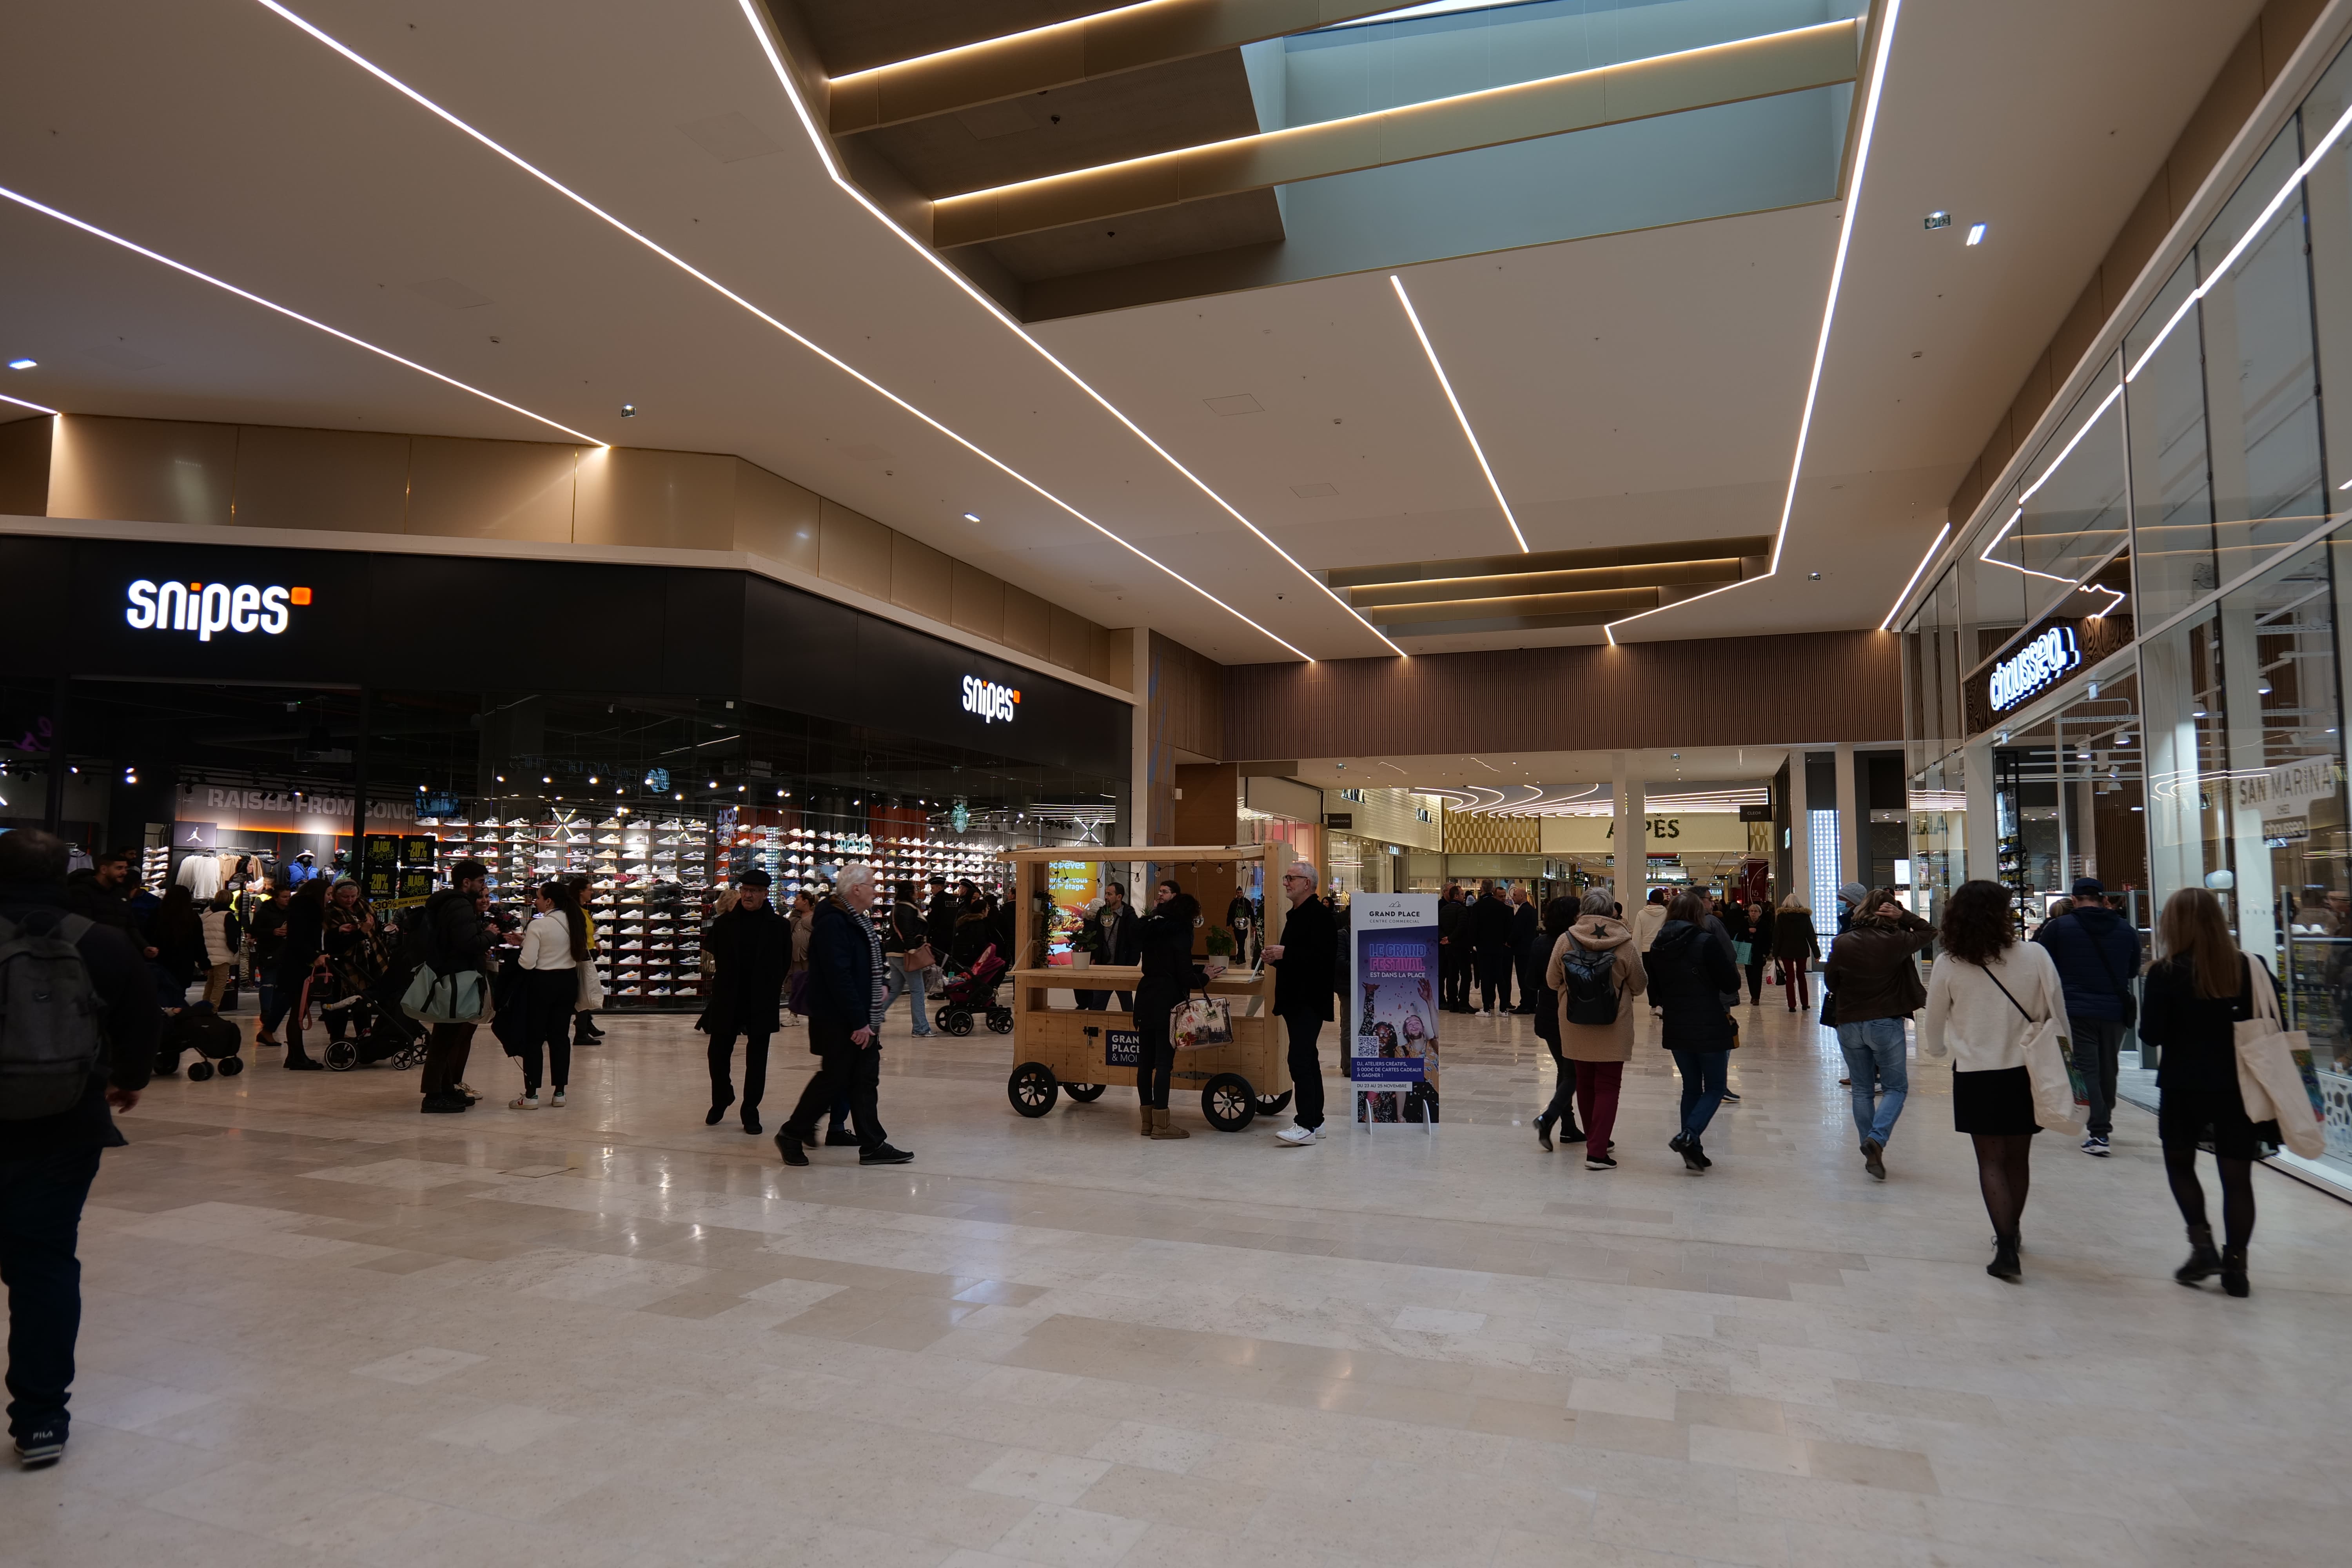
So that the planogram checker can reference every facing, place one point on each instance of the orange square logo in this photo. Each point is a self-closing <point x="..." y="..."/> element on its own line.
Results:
<point x="298" y="595"/>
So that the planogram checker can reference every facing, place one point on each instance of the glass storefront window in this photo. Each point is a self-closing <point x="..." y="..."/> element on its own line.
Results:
<point x="2172" y="491"/>
<point x="2189" y="844"/>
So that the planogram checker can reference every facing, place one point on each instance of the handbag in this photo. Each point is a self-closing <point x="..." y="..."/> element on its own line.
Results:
<point x="435" y="998"/>
<point x="919" y="958"/>
<point x="2047" y="1067"/>
<point x="1201" y="1021"/>
<point x="2270" y="1081"/>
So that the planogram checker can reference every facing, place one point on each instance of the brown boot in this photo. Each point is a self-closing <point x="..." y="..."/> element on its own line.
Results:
<point x="1160" y="1128"/>
<point x="1147" y="1122"/>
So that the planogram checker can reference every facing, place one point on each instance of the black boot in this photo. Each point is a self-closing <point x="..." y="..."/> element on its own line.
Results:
<point x="1693" y="1157"/>
<point x="2004" y="1264"/>
<point x="301" y="1061"/>
<point x="2203" y="1261"/>
<point x="717" y="1109"/>
<point x="1543" y="1131"/>
<point x="1570" y="1132"/>
<point x="2233" y="1272"/>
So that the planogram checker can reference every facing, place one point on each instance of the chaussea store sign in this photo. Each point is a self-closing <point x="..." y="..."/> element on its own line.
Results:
<point x="2055" y="651"/>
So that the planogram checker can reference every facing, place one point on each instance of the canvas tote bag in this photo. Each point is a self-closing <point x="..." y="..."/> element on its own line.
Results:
<point x="2046" y="1065"/>
<point x="2269" y="1080"/>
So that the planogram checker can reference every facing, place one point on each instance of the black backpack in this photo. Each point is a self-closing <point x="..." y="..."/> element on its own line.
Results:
<point x="1590" y="979"/>
<point x="51" y="1041"/>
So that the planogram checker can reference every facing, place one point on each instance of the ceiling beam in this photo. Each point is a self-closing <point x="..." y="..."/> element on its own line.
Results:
<point x="1749" y="69"/>
<point x="1125" y="40"/>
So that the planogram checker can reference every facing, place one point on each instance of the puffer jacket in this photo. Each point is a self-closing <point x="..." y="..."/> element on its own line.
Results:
<point x="1689" y="974"/>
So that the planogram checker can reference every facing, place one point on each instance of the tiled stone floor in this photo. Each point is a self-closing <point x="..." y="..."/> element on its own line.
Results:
<point x="322" y="1328"/>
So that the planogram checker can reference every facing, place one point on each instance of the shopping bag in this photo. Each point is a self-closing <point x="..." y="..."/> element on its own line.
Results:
<point x="1199" y="1021"/>
<point x="2269" y="1081"/>
<point x="592" y="987"/>
<point x="1775" y="977"/>
<point x="2047" y="1066"/>
<point x="1744" y="950"/>
<point x="435" y="998"/>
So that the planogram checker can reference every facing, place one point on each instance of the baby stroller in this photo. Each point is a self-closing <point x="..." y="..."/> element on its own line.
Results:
<point x="379" y="1030"/>
<point x="215" y="1039"/>
<point x="972" y="991"/>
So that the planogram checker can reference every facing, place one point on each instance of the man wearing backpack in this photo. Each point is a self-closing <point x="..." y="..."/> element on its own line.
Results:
<point x="78" y="1027"/>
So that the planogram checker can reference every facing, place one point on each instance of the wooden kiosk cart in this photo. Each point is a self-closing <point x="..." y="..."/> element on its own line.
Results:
<point x="1062" y="1048"/>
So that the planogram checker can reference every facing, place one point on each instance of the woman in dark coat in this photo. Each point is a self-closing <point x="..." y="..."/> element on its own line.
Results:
<point x="298" y="956"/>
<point x="1759" y="949"/>
<point x="1794" y="945"/>
<point x="2203" y="988"/>
<point x="751" y="947"/>
<point x="176" y="932"/>
<point x="1165" y="939"/>
<point x="1689" y="974"/>
<point x="1558" y="915"/>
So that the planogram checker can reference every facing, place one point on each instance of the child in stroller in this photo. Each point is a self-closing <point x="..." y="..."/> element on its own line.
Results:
<point x="370" y="986"/>
<point x="974" y="990"/>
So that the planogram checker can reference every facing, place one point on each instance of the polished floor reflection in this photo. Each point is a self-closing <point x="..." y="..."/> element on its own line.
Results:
<point x="322" y="1328"/>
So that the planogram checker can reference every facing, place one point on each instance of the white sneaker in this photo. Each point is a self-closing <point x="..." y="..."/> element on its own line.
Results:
<point x="558" y="1100"/>
<point x="1318" y="1135"/>
<point x="1296" y="1137"/>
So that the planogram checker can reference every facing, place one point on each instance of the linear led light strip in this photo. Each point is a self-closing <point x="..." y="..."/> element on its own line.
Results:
<point x="1916" y="572"/>
<point x="35" y="408"/>
<point x="1447" y="385"/>
<point x="826" y="154"/>
<point x="1829" y="317"/>
<point x="721" y="289"/>
<point x="138" y="249"/>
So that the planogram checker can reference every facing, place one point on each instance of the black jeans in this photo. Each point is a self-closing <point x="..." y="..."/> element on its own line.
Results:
<point x="1530" y="978"/>
<point x="846" y="1070"/>
<point x="548" y="997"/>
<point x="755" y="1070"/>
<point x="1454" y="974"/>
<point x="2096" y="1043"/>
<point x="445" y="1059"/>
<point x="40" y="1219"/>
<point x="1493" y="977"/>
<point x="1306" y="1069"/>
<point x="1756" y="976"/>
<point x="1155" y="1057"/>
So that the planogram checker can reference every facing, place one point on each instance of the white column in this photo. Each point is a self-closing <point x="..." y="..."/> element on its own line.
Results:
<point x="1139" y="814"/>
<point x="1851" y="829"/>
<point x="2256" y="901"/>
<point x="1981" y="835"/>
<point x="1629" y="836"/>
<point x="1801" y="833"/>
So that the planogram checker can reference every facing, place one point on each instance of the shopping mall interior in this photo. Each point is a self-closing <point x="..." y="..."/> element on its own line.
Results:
<point x="957" y="553"/>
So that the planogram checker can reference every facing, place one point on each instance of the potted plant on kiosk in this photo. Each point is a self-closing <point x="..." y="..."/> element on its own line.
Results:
<point x="1087" y="942"/>
<point x="1221" y="952"/>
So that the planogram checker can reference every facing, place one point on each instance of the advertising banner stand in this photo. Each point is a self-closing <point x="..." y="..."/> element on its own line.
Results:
<point x="1392" y="1054"/>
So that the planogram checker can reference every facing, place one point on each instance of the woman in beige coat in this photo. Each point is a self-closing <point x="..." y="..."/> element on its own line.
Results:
<point x="1596" y="968"/>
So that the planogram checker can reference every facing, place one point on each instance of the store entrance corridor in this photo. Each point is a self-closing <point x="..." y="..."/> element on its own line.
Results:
<point x="319" y="1331"/>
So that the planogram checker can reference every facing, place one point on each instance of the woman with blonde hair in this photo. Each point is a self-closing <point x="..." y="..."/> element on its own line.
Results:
<point x="1794" y="944"/>
<point x="2197" y="993"/>
<point x="1989" y="992"/>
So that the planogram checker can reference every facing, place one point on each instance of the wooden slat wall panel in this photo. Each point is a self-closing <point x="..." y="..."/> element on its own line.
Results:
<point x="1815" y="687"/>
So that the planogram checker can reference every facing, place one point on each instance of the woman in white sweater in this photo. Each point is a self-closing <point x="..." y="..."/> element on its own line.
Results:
<point x="1987" y="994"/>
<point x="554" y="945"/>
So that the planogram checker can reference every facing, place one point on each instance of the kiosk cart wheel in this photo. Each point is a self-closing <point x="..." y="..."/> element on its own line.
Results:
<point x="199" y="1071"/>
<point x="231" y="1065"/>
<point x="1032" y="1089"/>
<point x="1275" y="1106"/>
<point x="1000" y="1020"/>
<point x="1084" y="1093"/>
<point x="1229" y="1102"/>
<point x="956" y="1021"/>
<point x="341" y="1056"/>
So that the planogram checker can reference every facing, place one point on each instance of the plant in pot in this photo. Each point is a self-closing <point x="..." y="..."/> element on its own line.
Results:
<point x="1221" y="952"/>
<point x="1089" y="945"/>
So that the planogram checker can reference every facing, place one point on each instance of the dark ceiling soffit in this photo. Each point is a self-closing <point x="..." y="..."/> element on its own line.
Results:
<point x="1131" y="37"/>
<point x="1552" y="561"/>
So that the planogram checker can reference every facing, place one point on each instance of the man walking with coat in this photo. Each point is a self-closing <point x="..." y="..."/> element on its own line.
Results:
<point x="1304" y="961"/>
<point x="845" y="1000"/>
<point x="2096" y="952"/>
<point x="751" y="948"/>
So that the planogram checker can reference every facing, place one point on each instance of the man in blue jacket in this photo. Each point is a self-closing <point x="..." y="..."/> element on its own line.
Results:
<point x="2096" y="952"/>
<point x="846" y="996"/>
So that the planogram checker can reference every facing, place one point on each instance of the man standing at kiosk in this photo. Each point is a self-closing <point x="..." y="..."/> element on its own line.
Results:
<point x="1304" y="962"/>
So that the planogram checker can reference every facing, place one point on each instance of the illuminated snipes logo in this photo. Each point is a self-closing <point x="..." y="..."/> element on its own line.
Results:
<point x="994" y="703"/>
<point x="205" y="608"/>
<point x="2038" y="664"/>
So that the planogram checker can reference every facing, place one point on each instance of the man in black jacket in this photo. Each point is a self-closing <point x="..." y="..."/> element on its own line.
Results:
<point x="1454" y="951"/>
<point x="845" y="1002"/>
<point x="1527" y="939"/>
<point x="1490" y="934"/>
<point x="47" y="1163"/>
<point x="751" y="946"/>
<point x="452" y="942"/>
<point x="1302" y="961"/>
<point x="2097" y="954"/>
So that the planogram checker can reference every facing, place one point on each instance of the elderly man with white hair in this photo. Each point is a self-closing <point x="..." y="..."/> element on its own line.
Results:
<point x="846" y="997"/>
<point x="1303" y="980"/>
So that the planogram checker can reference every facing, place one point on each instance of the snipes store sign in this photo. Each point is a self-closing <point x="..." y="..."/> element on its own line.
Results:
<point x="995" y="704"/>
<point x="210" y="608"/>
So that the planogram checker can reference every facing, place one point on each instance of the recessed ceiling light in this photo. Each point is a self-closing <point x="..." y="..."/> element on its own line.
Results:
<point x="1939" y="220"/>
<point x="23" y="363"/>
<point x="1976" y="234"/>
<point x="971" y="517"/>
<point x="628" y="411"/>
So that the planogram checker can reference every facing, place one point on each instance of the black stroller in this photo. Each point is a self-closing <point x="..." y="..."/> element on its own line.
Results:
<point x="371" y="984"/>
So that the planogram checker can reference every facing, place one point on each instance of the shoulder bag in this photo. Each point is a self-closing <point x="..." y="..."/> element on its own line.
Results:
<point x="2270" y="1079"/>
<point x="2046" y="1065"/>
<point x="1201" y="1021"/>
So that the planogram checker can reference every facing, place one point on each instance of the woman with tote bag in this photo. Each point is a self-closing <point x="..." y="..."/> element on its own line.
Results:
<point x="1992" y="1005"/>
<point x="2200" y="995"/>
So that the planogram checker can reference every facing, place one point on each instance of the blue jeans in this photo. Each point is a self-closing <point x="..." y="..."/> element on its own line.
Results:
<point x="896" y="979"/>
<point x="1706" y="1075"/>
<point x="1873" y="1060"/>
<point x="40" y="1218"/>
